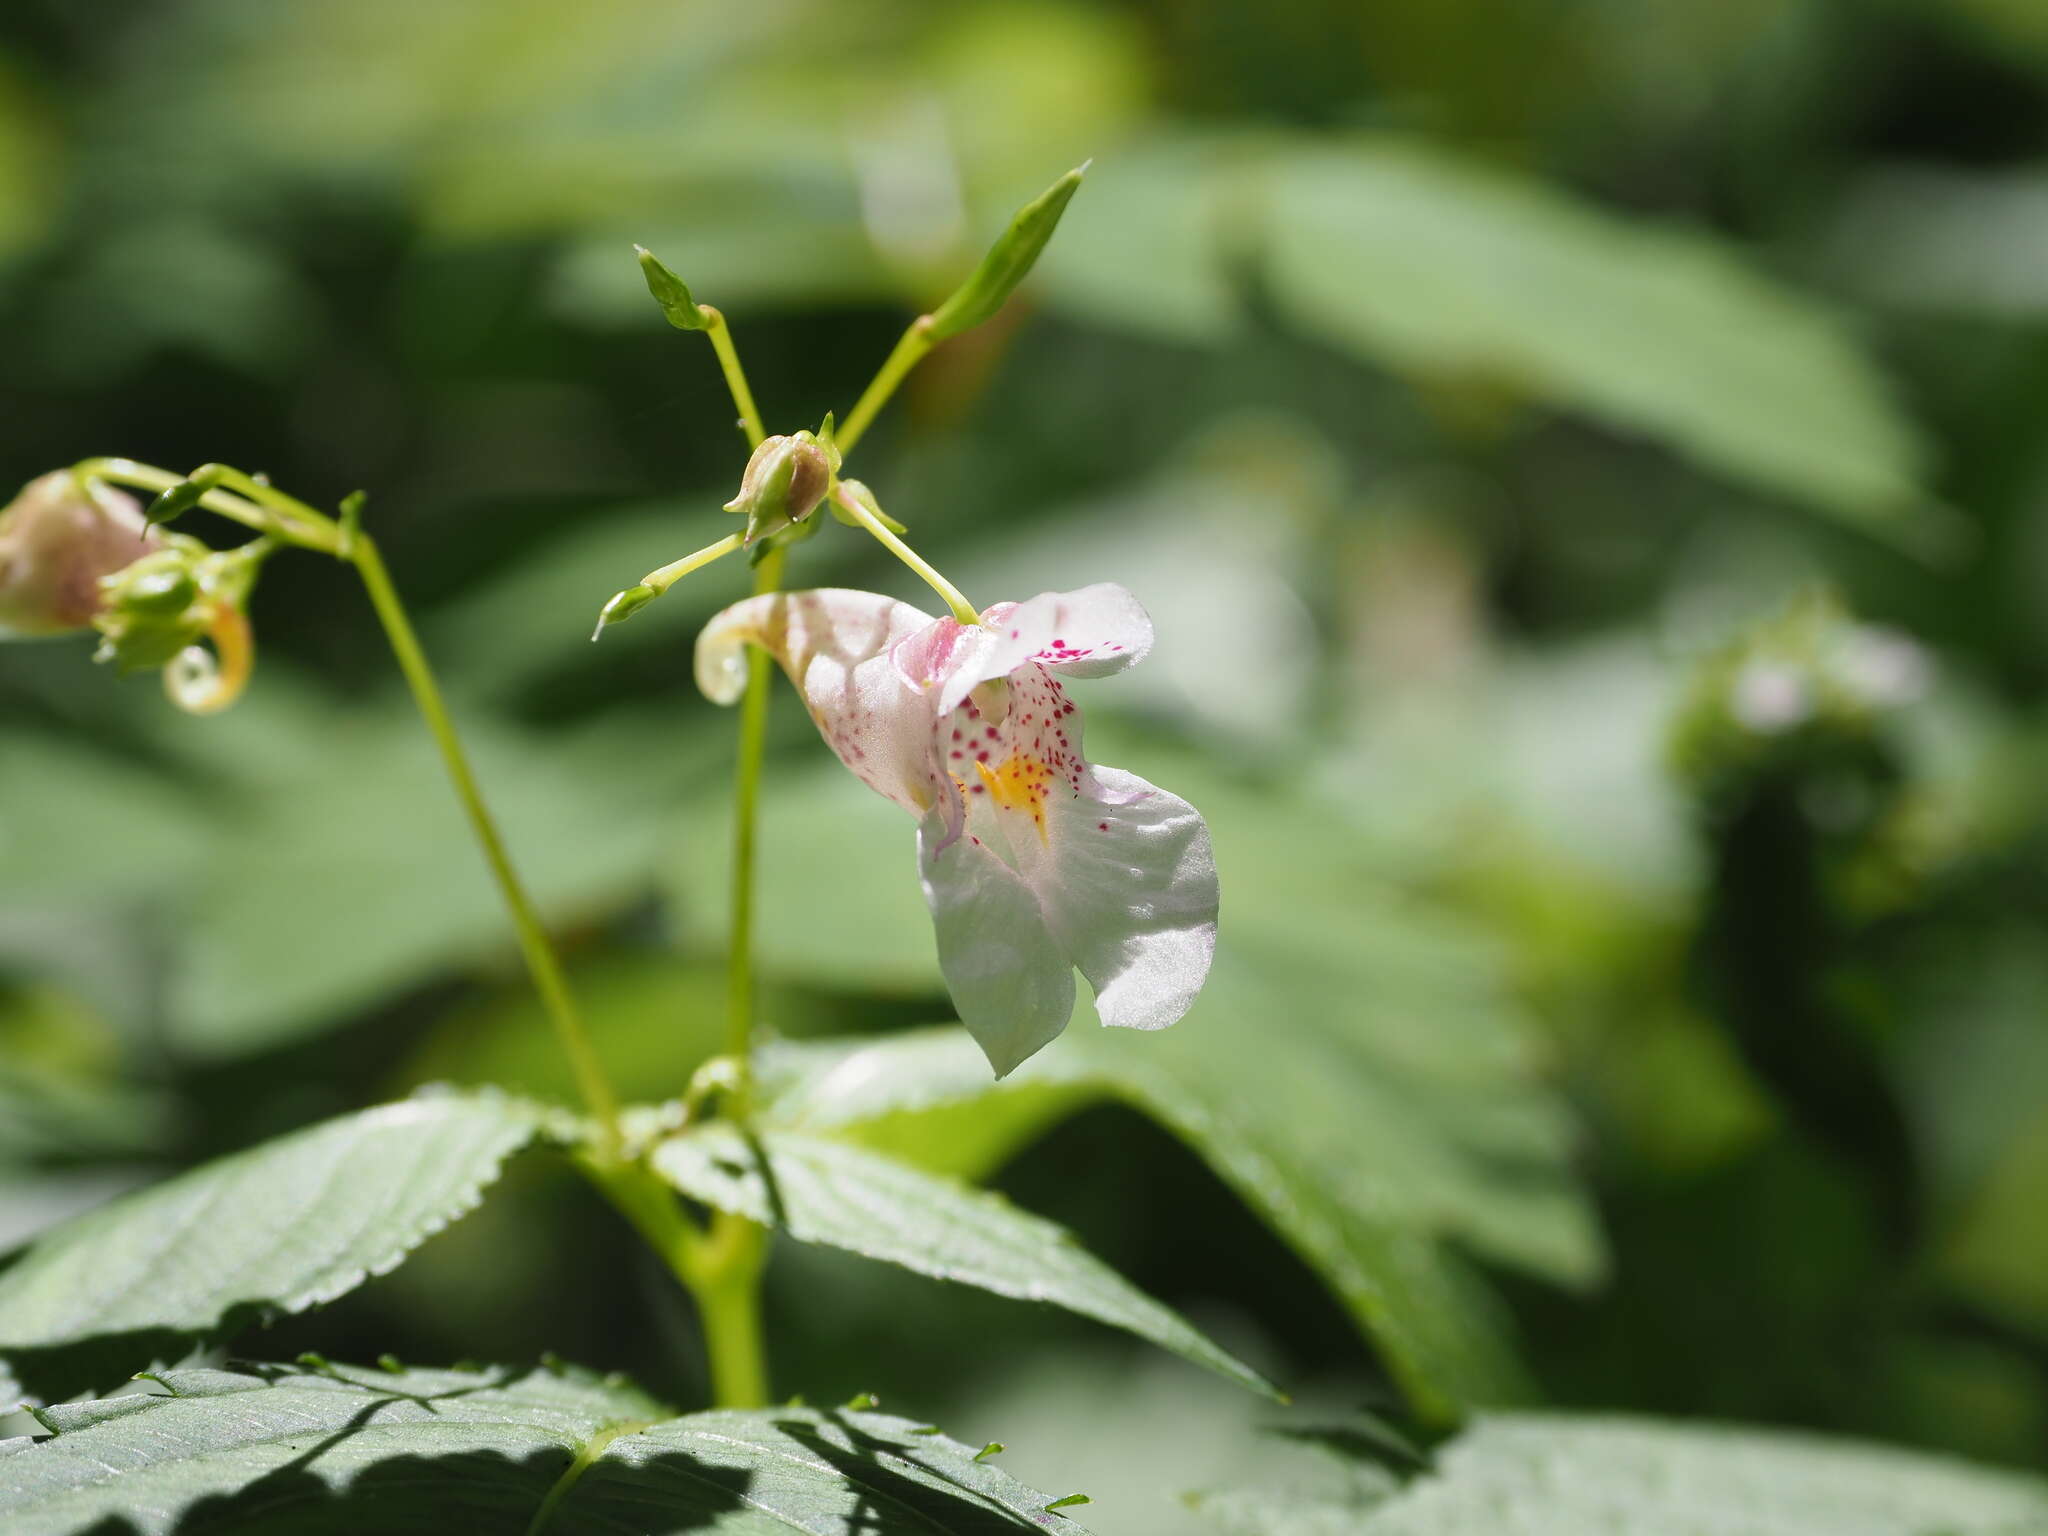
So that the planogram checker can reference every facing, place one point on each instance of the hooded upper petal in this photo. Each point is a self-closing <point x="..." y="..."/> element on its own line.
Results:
<point x="835" y="645"/>
<point x="1092" y="632"/>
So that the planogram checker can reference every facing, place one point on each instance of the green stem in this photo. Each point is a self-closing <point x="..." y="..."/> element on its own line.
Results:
<point x="721" y="1269"/>
<point x="909" y="352"/>
<point x="299" y="524"/>
<point x="729" y="1304"/>
<point x="269" y="510"/>
<point x="541" y="960"/>
<point x="739" y="971"/>
<point x="861" y="513"/>
<point x="661" y="580"/>
<point x="735" y="376"/>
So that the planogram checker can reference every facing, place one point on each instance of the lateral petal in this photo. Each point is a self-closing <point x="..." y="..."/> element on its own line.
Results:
<point x="1011" y="981"/>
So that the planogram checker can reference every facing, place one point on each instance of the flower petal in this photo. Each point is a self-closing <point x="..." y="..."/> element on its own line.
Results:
<point x="836" y="646"/>
<point x="1012" y="982"/>
<point x="1092" y="632"/>
<point x="1127" y="880"/>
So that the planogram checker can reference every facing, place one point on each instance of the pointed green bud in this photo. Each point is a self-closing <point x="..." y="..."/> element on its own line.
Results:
<point x="671" y="293"/>
<point x="58" y="539"/>
<point x="623" y="606"/>
<point x="157" y="590"/>
<point x="185" y="495"/>
<point x="152" y="610"/>
<point x="785" y="481"/>
<point x="1068" y="1502"/>
<point x="993" y="1448"/>
<point x="1008" y="261"/>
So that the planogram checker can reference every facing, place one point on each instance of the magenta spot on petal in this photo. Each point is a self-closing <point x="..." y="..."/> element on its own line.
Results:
<point x="977" y="789"/>
<point x="1102" y="826"/>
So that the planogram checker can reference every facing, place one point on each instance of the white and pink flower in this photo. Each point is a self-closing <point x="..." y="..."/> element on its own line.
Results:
<point x="1034" y="861"/>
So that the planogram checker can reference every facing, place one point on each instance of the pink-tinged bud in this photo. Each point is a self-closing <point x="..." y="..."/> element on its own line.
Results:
<point x="785" y="481"/>
<point x="56" y="543"/>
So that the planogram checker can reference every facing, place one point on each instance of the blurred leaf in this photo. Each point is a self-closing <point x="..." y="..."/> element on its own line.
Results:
<point x="2012" y="29"/>
<point x="653" y="1017"/>
<point x="26" y="149"/>
<point x="1145" y="249"/>
<point x="337" y="884"/>
<point x="926" y="1097"/>
<point x="1998" y="1253"/>
<point x="1544" y="1474"/>
<point x="1948" y="241"/>
<point x="487" y="638"/>
<point x="1447" y="270"/>
<point x="79" y="827"/>
<point x="830" y="1192"/>
<point x="273" y="1450"/>
<point x="276" y="1229"/>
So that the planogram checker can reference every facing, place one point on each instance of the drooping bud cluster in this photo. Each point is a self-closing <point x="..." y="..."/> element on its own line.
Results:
<point x="158" y="611"/>
<point x="786" y="479"/>
<point x="58" y="539"/>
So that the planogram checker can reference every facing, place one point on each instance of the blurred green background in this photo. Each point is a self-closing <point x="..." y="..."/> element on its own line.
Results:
<point x="1585" y="459"/>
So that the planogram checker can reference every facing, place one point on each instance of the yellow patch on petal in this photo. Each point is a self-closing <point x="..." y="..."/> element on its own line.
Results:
<point x="1019" y="784"/>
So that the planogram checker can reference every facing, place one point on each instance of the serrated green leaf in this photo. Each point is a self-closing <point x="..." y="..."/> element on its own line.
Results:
<point x="1356" y="1069"/>
<point x="1442" y="268"/>
<point x="276" y="1229"/>
<point x="543" y="1451"/>
<point x="927" y="1097"/>
<point x="1559" y="1475"/>
<point x="833" y="1193"/>
<point x="833" y="1472"/>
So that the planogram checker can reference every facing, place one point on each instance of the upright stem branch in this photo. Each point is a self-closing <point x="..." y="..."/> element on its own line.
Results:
<point x="909" y="352"/>
<point x="735" y="376"/>
<point x="541" y="959"/>
<point x="739" y="971"/>
<point x="267" y="509"/>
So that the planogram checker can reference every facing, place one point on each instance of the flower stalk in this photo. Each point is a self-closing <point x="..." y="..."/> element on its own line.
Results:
<point x="251" y="502"/>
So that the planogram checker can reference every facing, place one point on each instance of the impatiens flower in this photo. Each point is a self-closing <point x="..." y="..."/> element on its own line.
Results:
<point x="56" y="541"/>
<point x="1034" y="860"/>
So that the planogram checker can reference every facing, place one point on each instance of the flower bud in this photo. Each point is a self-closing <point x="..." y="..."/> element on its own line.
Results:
<point x="165" y="610"/>
<point x="785" y="481"/>
<point x="151" y="610"/>
<point x="623" y="606"/>
<point x="57" y="540"/>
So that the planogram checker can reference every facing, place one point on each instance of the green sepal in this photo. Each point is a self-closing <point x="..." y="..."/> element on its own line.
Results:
<point x="671" y="293"/>
<point x="1008" y="261"/>
<point x="184" y="496"/>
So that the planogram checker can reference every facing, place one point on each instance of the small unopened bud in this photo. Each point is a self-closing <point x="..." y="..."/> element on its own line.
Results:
<point x="786" y="479"/>
<point x="623" y="606"/>
<point x="57" y="540"/>
<point x="165" y="610"/>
